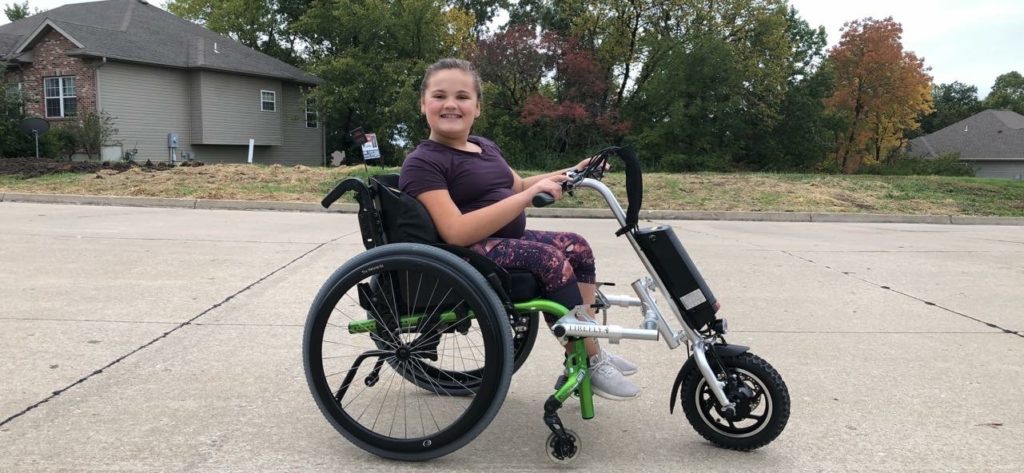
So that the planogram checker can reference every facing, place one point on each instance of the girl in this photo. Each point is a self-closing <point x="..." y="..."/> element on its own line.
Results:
<point x="476" y="200"/>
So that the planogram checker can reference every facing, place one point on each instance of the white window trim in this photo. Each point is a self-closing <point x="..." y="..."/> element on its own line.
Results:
<point x="60" y="96"/>
<point x="273" y="100"/>
<point x="315" y="112"/>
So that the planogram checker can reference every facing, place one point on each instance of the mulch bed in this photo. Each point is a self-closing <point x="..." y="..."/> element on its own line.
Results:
<point x="35" y="167"/>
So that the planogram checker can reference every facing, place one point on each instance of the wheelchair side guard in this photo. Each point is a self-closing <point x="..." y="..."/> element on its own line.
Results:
<point x="721" y="350"/>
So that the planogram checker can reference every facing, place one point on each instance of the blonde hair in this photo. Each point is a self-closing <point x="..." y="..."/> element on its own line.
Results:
<point x="452" y="63"/>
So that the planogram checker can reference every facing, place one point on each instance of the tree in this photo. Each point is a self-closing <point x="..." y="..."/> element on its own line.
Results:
<point x="577" y="116"/>
<point x="881" y="91"/>
<point x="13" y="142"/>
<point x="371" y="55"/>
<point x="953" y="102"/>
<point x="513" y="62"/>
<point x="264" y="25"/>
<point x="802" y="136"/>
<point x="1007" y="93"/>
<point x="711" y="80"/>
<point x="92" y="131"/>
<point x="482" y="12"/>
<point x="16" y="11"/>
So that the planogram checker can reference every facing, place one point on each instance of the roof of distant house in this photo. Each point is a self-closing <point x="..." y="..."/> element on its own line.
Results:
<point x="989" y="135"/>
<point x="135" y="31"/>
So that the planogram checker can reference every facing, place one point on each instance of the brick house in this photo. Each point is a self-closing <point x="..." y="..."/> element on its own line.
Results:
<point x="162" y="78"/>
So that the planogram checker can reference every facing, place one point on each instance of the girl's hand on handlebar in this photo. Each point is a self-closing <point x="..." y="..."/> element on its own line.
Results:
<point x="552" y="185"/>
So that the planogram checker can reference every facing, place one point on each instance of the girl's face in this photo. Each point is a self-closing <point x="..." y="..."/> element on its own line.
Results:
<point x="450" y="104"/>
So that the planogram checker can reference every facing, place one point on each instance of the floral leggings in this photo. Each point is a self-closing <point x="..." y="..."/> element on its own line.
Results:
<point x="558" y="259"/>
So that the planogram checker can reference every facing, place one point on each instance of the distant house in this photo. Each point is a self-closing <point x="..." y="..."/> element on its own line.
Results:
<point x="992" y="141"/>
<point x="168" y="82"/>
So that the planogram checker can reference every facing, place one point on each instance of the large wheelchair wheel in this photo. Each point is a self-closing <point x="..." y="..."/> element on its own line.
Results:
<point x="383" y="319"/>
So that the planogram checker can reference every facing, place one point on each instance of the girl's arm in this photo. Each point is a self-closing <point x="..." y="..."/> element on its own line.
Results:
<point x="457" y="228"/>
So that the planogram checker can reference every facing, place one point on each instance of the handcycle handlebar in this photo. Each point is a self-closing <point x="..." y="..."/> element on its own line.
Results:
<point x="595" y="170"/>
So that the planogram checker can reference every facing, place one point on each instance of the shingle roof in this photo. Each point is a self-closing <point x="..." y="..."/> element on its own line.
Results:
<point x="988" y="135"/>
<point x="135" y="31"/>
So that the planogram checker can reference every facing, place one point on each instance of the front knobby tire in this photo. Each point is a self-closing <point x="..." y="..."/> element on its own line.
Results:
<point x="761" y="396"/>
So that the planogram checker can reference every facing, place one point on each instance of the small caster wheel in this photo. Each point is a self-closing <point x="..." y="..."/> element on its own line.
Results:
<point x="563" y="451"/>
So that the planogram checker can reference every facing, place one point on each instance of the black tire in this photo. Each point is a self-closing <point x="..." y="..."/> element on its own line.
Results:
<point x="762" y="410"/>
<point x="350" y="380"/>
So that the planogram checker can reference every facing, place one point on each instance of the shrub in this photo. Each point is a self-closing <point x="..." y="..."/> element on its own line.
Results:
<point x="687" y="163"/>
<point x="946" y="165"/>
<point x="93" y="131"/>
<point x="58" y="143"/>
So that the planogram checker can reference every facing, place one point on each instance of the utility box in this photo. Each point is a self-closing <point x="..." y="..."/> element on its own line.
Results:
<point x="172" y="140"/>
<point x="111" y="153"/>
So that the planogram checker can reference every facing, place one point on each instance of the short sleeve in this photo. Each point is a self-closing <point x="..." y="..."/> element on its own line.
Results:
<point x="420" y="175"/>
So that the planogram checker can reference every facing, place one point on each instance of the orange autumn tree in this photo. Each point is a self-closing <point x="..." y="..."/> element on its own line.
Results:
<point x="881" y="91"/>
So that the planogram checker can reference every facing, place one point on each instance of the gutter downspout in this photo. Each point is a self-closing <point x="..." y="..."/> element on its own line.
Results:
<point x="99" y="107"/>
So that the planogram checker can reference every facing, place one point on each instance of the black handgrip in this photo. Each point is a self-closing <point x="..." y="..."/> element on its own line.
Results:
<point x="543" y="199"/>
<point x="350" y="184"/>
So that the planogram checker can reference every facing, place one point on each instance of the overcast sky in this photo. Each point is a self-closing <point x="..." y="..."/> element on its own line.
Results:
<point x="971" y="41"/>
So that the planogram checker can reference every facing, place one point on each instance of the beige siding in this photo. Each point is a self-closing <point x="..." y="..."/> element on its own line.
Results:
<point x="1000" y="170"/>
<point x="196" y="106"/>
<point x="214" y="115"/>
<point x="301" y="145"/>
<point x="230" y="109"/>
<point x="147" y="103"/>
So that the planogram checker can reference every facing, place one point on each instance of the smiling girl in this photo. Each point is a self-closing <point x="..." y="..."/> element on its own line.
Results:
<point x="477" y="201"/>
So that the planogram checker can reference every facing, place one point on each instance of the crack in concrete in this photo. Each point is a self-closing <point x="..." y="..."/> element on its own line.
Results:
<point x="882" y="286"/>
<point x="926" y="302"/>
<point x="167" y="333"/>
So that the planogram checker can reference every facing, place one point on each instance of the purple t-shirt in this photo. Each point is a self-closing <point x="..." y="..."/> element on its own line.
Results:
<point x="474" y="180"/>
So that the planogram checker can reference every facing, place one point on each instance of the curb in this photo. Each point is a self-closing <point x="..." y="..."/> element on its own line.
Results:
<point x="810" y="217"/>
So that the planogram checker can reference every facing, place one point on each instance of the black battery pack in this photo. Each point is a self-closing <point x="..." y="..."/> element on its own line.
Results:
<point x="684" y="284"/>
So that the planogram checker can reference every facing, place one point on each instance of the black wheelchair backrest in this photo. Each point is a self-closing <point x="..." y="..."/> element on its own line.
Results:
<point x="403" y="218"/>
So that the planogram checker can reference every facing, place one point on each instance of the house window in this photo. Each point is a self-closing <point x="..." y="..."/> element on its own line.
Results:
<point x="14" y="91"/>
<point x="312" y="116"/>
<point x="268" y="100"/>
<point x="61" y="100"/>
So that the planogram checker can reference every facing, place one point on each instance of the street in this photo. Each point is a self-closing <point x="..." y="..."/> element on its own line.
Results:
<point x="166" y="339"/>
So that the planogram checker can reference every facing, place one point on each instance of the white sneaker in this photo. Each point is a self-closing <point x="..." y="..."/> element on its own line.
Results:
<point x="626" y="367"/>
<point x="608" y="382"/>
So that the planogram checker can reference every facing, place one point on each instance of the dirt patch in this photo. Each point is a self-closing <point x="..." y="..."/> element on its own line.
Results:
<point x="35" y="167"/>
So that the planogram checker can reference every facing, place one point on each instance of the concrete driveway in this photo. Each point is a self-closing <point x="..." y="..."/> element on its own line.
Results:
<point x="169" y="340"/>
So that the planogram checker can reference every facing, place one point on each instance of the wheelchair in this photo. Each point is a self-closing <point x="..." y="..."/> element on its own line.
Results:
<point x="409" y="347"/>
